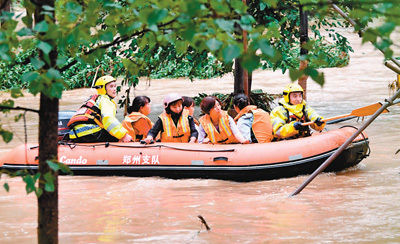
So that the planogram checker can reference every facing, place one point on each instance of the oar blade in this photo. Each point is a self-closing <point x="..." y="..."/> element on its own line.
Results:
<point x="367" y="110"/>
<point x="359" y="112"/>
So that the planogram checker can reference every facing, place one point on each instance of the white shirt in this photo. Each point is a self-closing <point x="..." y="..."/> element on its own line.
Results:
<point x="232" y="125"/>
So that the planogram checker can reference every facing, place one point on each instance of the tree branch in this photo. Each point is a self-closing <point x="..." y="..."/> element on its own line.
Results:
<point x="379" y="12"/>
<point x="115" y="42"/>
<point x="18" y="108"/>
<point x="122" y="39"/>
<point x="351" y="4"/>
<point x="345" y="3"/>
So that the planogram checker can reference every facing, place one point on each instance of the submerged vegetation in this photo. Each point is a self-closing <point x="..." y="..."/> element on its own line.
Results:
<point x="257" y="97"/>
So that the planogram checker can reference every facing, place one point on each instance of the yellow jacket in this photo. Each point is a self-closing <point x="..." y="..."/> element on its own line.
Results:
<point x="285" y="115"/>
<point x="110" y="123"/>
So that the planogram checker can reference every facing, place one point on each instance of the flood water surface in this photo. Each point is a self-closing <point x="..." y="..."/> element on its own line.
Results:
<point x="358" y="205"/>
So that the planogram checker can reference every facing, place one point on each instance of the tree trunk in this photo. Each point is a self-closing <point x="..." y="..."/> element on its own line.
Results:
<point x="250" y="80"/>
<point x="303" y="39"/>
<point x="242" y="83"/>
<point x="48" y="129"/>
<point x="48" y="202"/>
<point x="238" y="78"/>
<point x="245" y="72"/>
<point x="5" y="5"/>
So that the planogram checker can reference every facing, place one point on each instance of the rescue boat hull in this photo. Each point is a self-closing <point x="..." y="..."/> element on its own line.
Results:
<point x="226" y="162"/>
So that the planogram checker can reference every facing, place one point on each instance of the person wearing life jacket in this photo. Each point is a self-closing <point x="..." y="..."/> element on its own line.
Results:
<point x="136" y="122"/>
<point x="95" y="121"/>
<point x="188" y="108"/>
<point x="174" y="125"/>
<point x="216" y="126"/>
<point x="254" y="123"/>
<point x="287" y="118"/>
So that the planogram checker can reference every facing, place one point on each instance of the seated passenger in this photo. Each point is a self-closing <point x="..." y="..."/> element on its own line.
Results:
<point x="174" y="125"/>
<point x="188" y="108"/>
<point x="95" y="121"/>
<point x="291" y="113"/>
<point x="254" y="123"/>
<point x="136" y="122"/>
<point x="216" y="126"/>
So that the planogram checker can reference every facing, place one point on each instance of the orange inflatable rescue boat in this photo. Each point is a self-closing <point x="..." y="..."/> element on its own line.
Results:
<point x="235" y="162"/>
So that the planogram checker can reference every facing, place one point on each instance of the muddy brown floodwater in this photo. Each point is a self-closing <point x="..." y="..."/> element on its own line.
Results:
<point x="358" y="205"/>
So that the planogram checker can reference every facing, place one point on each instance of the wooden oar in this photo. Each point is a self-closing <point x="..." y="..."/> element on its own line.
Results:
<point x="359" y="112"/>
<point x="340" y="120"/>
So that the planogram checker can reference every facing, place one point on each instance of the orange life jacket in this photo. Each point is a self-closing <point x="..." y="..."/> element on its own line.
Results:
<point x="137" y="125"/>
<point x="196" y="122"/>
<point x="186" y="112"/>
<point x="88" y="113"/>
<point x="172" y="133"/>
<point x="224" y="135"/>
<point x="262" y="126"/>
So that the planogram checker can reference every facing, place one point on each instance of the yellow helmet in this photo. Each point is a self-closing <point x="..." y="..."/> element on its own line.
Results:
<point x="292" y="87"/>
<point x="101" y="83"/>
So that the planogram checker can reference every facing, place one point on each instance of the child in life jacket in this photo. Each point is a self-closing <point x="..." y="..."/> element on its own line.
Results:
<point x="95" y="121"/>
<point x="174" y="125"/>
<point x="216" y="126"/>
<point x="136" y="122"/>
<point x="188" y="108"/>
<point x="254" y="123"/>
<point x="287" y="118"/>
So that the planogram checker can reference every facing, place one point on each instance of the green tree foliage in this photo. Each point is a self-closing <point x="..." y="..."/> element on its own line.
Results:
<point x="163" y="33"/>
<point x="328" y="50"/>
<point x="177" y="38"/>
<point x="161" y="63"/>
<point x="177" y="59"/>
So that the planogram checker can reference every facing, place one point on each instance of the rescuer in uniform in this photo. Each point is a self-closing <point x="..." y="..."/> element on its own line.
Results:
<point x="95" y="121"/>
<point x="287" y="118"/>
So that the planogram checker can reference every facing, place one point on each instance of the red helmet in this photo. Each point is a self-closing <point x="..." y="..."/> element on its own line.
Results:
<point x="170" y="98"/>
